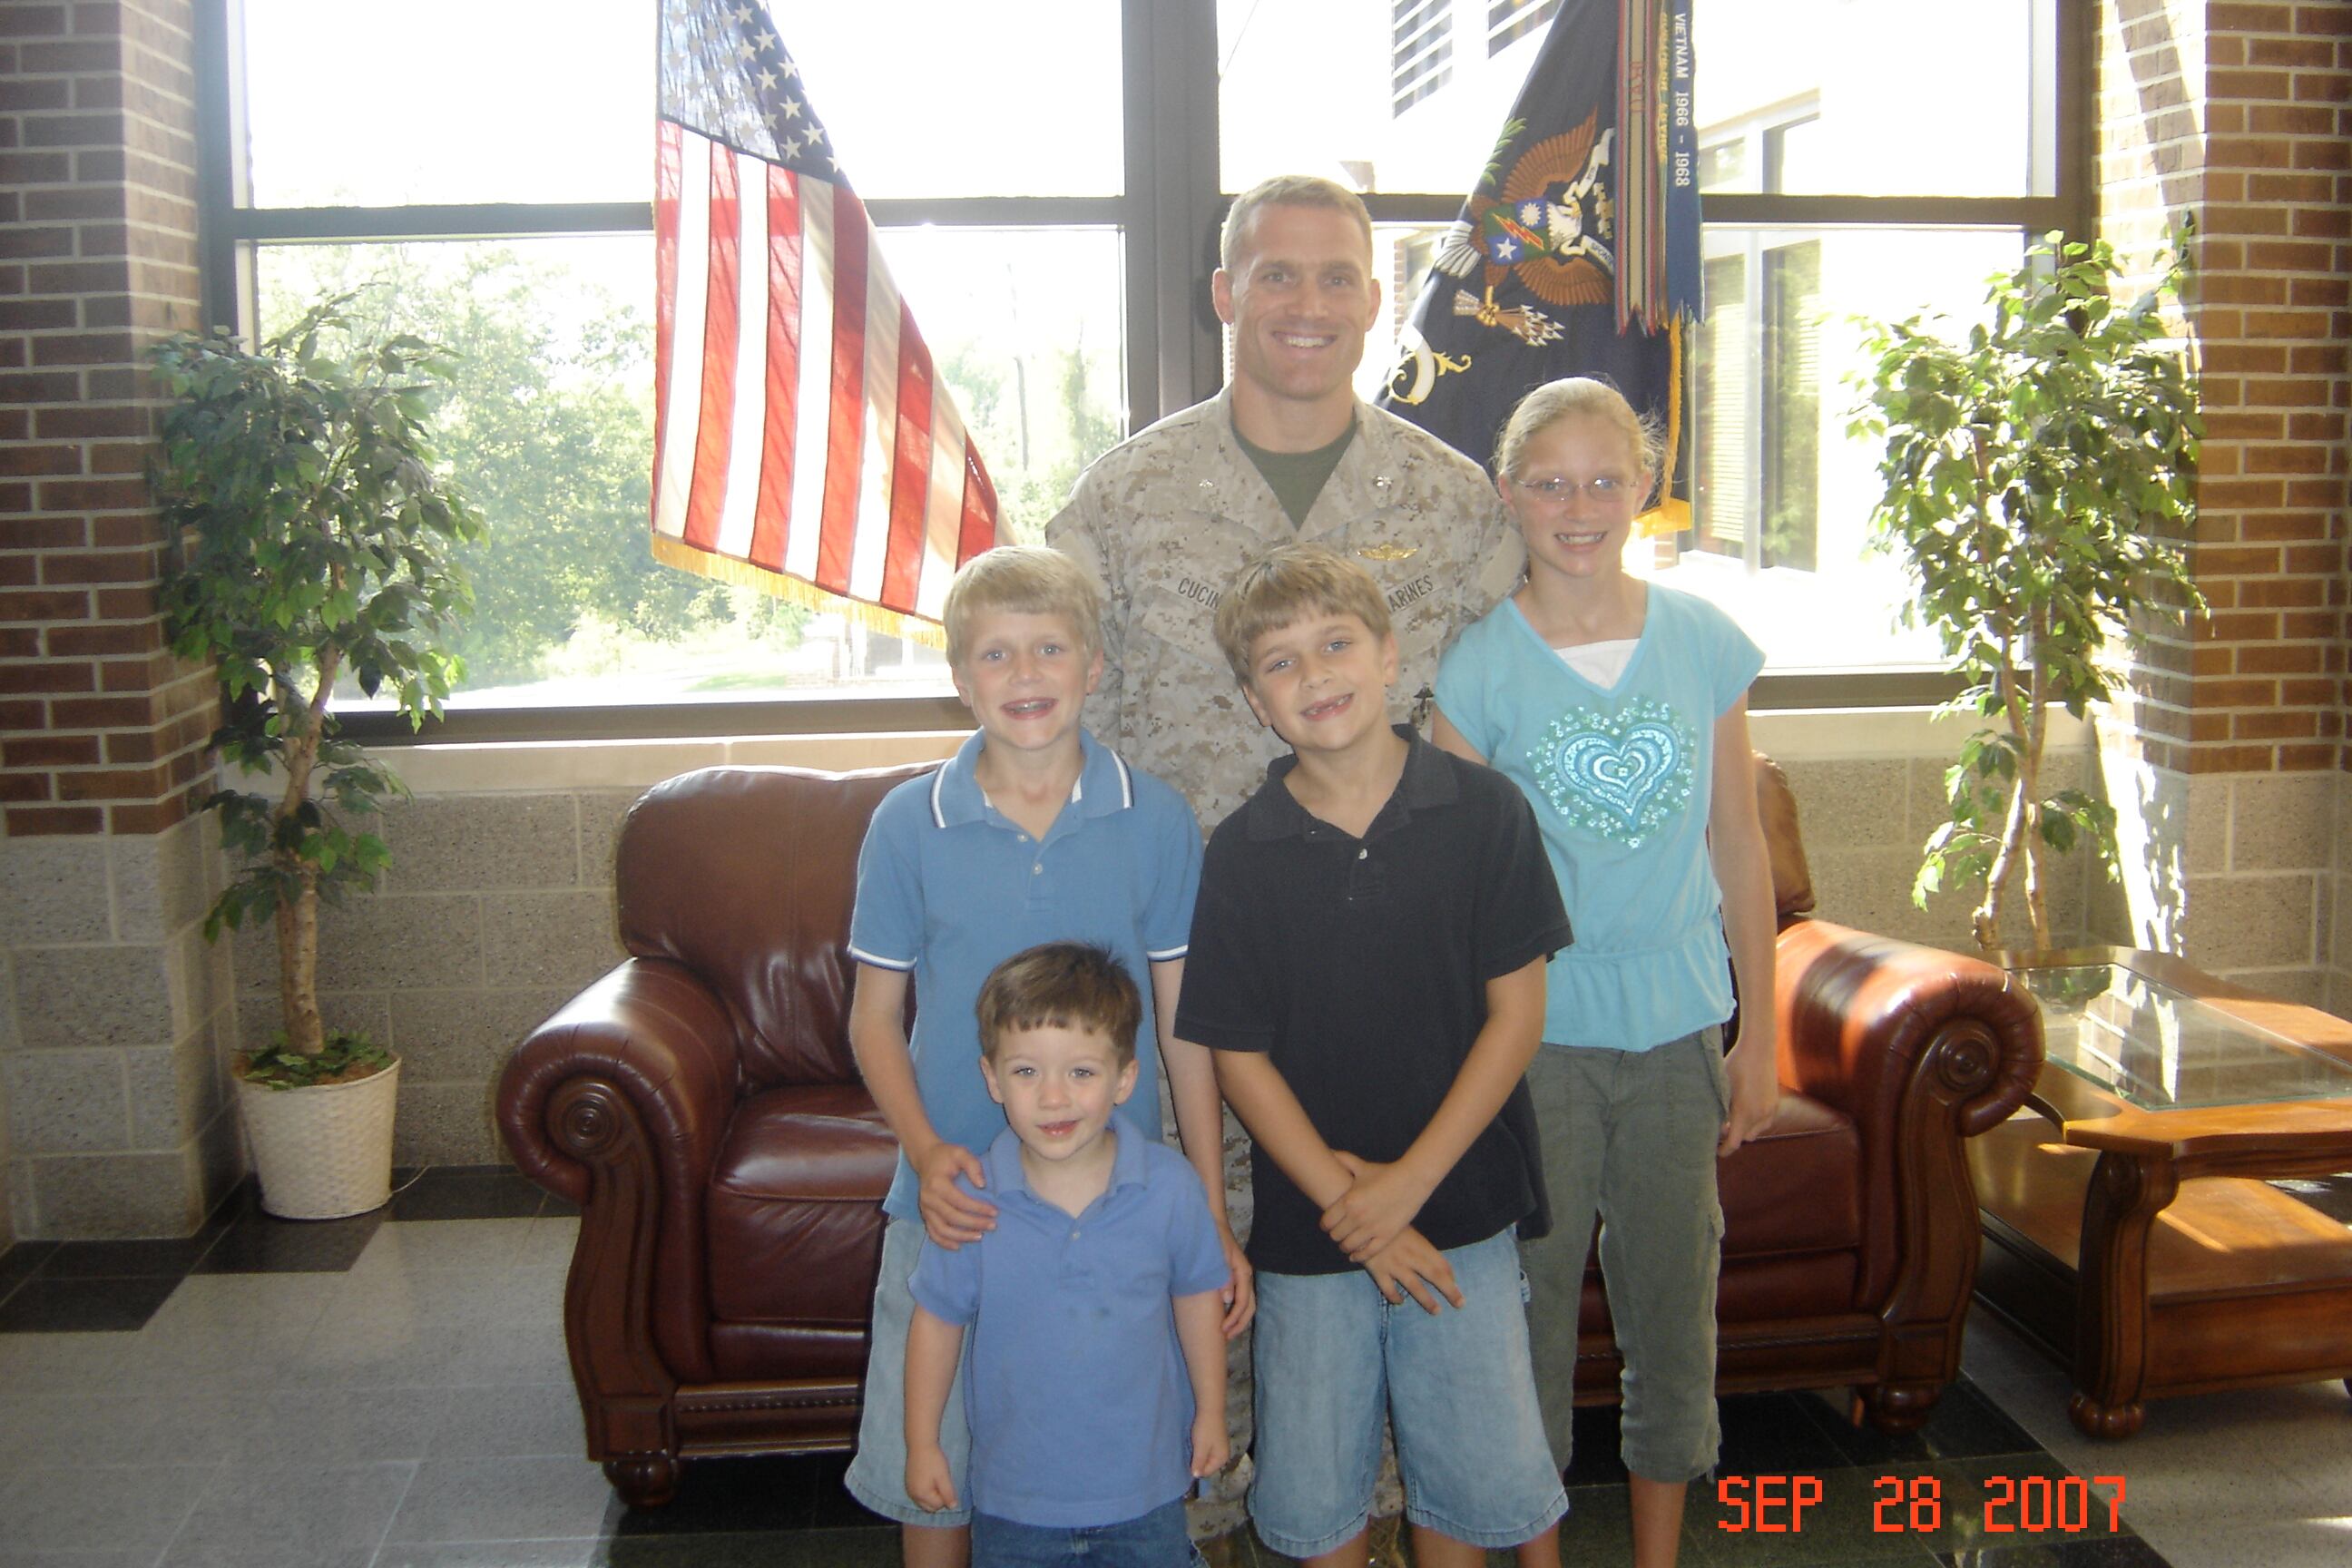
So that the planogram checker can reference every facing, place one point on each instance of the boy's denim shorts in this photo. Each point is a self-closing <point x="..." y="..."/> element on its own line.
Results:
<point x="1156" y="1539"/>
<point x="877" y="1476"/>
<point x="1458" y="1388"/>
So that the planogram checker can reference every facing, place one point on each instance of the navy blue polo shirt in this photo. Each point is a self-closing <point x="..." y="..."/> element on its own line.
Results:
<point x="1360" y="966"/>
<point x="949" y="888"/>
<point x="1080" y="1408"/>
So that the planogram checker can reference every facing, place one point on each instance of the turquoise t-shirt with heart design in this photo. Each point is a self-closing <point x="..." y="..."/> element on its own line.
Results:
<point x="1619" y="778"/>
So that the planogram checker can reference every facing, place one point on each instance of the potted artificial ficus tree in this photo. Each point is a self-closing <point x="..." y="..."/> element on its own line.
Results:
<point x="2037" y="486"/>
<point x="316" y="543"/>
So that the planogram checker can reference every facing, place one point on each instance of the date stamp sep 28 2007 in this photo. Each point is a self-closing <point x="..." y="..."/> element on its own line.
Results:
<point x="2022" y="1505"/>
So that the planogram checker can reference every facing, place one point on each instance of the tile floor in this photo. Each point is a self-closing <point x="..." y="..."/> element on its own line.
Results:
<point x="392" y="1392"/>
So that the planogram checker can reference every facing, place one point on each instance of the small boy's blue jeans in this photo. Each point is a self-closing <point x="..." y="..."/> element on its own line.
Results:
<point x="1156" y="1539"/>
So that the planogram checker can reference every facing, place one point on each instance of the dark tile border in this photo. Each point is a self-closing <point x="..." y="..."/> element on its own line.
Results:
<point x="47" y="1287"/>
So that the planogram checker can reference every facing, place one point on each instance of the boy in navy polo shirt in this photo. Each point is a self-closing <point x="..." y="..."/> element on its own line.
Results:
<point x="1031" y="833"/>
<point x="1096" y="1384"/>
<point x="1368" y="967"/>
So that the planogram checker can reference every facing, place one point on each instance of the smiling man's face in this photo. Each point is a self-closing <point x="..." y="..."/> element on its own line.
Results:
<point x="1300" y="297"/>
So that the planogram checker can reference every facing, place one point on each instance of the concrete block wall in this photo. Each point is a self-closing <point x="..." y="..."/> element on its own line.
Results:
<point x="496" y="909"/>
<point x="1865" y="820"/>
<point x="113" y="1015"/>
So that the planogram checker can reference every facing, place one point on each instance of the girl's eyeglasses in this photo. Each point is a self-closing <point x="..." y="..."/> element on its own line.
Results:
<point x="1556" y="491"/>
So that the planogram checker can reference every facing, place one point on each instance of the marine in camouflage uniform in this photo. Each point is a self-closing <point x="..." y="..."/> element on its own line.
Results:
<point x="1165" y="520"/>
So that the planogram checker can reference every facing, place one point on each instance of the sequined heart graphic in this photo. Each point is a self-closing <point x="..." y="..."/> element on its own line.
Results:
<point x="1620" y="773"/>
<point x="1621" y="776"/>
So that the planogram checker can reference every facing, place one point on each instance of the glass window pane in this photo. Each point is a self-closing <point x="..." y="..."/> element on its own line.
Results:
<point x="381" y="103"/>
<point x="1829" y="97"/>
<point x="1383" y="95"/>
<point x="1408" y="95"/>
<point x="1782" y="497"/>
<point x="949" y="98"/>
<point x="552" y="100"/>
<point x="550" y="431"/>
<point x="1027" y="326"/>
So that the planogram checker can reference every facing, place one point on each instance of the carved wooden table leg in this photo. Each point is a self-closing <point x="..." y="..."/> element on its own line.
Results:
<point x="2111" y="1309"/>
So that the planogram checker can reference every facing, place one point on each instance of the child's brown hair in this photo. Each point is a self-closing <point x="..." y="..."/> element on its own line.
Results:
<point x="1061" y="985"/>
<point x="1288" y="582"/>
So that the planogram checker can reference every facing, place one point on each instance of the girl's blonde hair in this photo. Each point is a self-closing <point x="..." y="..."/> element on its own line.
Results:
<point x="1579" y="395"/>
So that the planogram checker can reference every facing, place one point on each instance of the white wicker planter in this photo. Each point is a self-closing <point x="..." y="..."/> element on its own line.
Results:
<point x="326" y="1152"/>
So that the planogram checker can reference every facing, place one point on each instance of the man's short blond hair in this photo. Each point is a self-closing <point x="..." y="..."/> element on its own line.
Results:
<point x="1288" y="191"/>
<point x="1284" y="585"/>
<point x="1061" y="985"/>
<point x="1026" y="579"/>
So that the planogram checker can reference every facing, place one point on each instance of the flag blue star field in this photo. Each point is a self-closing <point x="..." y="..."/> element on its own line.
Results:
<point x="802" y="442"/>
<point x="1578" y="250"/>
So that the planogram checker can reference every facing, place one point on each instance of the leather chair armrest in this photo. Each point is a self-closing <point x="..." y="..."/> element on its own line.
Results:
<point x="1858" y="1012"/>
<point x="663" y="1039"/>
<point x="620" y="1102"/>
<point x="1923" y="1050"/>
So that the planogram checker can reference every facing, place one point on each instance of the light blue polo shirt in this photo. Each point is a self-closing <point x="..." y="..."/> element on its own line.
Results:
<point x="949" y="888"/>
<point x="1081" y="1411"/>
<point x="1622" y="779"/>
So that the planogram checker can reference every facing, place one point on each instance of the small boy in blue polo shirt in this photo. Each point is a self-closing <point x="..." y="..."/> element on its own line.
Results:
<point x="1031" y="833"/>
<point x="1096" y="1382"/>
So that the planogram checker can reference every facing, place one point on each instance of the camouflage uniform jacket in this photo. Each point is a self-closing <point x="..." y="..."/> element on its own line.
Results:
<point x="1166" y="518"/>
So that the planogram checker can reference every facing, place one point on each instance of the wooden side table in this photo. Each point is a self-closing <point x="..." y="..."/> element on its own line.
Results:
<point x="2128" y="1222"/>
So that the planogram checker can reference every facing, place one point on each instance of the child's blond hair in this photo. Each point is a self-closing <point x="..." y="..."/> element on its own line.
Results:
<point x="1286" y="582"/>
<point x="1577" y="394"/>
<point x="1026" y="579"/>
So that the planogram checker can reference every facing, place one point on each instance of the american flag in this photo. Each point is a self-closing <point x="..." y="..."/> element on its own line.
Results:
<point x="801" y="439"/>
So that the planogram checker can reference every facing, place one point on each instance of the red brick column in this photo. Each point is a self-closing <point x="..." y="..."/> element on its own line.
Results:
<point x="112" y="1009"/>
<point x="104" y="730"/>
<point x="2232" y="116"/>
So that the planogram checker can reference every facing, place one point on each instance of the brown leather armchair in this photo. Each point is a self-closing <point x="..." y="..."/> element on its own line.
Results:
<point x="700" y="1104"/>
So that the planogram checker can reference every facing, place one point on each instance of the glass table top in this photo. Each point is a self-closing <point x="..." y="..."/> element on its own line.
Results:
<point x="2159" y="1048"/>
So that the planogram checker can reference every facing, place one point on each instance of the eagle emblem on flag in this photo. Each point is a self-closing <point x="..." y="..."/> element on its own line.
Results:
<point x="1550" y="222"/>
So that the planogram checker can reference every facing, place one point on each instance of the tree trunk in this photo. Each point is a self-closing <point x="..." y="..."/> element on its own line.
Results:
<point x="298" y="967"/>
<point x="298" y="918"/>
<point x="1987" y="924"/>
<point x="2029" y="784"/>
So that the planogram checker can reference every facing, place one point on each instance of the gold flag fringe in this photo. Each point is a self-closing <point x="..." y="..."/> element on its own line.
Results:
<point x="1670" y="515"/>
<point x="798" y="591"/>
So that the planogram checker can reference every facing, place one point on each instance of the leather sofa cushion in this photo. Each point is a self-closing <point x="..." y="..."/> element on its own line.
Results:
<point x="1784" y="844"/>
<point x="795" y="1221"/>
<point x="1791" y="1221"/>
<point x="764" y="1353"/>
<point x="1797" y="1187"/>
<point x="1755" y="1290"/>
<point x="746" y="876"/>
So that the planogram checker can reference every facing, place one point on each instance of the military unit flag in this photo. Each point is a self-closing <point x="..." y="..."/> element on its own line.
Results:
<point x="1578" y="252"/>
<point x="802" y="443"/>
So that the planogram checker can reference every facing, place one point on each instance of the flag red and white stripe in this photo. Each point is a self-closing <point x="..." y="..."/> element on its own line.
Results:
<point x="799" y="428"/>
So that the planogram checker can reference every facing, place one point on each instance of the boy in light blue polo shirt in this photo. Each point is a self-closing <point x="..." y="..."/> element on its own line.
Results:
<point x="1031" y="833"/>
<point x="1095" y="1379"/>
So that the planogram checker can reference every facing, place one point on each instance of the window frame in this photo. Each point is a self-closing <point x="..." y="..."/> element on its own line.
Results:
<point x="1167" y="217"/>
